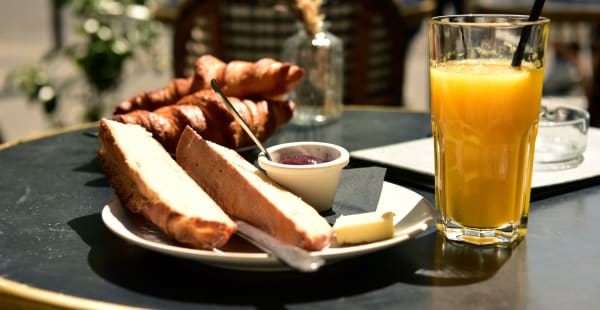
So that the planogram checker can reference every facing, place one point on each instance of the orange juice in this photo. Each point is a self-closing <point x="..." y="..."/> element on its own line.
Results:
<point x="484" y="120"/>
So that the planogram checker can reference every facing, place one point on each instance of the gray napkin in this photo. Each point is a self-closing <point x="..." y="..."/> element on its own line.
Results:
<point x="358" y="192"/>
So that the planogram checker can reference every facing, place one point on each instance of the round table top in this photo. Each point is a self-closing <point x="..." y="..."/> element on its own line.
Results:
<point x="56" y="251"/>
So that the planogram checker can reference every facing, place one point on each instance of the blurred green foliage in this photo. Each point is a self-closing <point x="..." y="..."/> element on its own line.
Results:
<point x="106" y="35"/>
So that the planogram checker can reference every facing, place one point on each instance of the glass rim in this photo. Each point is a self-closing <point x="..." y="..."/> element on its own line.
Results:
<point x="582" y="116"/>
<point x="511" y="20"/>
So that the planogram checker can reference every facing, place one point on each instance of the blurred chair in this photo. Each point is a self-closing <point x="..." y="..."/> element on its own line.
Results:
<point x="372" y="32"/>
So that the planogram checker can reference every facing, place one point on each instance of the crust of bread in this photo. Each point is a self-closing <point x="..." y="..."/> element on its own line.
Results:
<point x="148" y="181"/>
<point x="246" y="193"/>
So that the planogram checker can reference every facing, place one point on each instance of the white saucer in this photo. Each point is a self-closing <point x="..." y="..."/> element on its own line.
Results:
<point x="413" y="216"/>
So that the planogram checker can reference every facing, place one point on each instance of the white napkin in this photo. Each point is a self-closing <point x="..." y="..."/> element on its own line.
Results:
<point x="417" y="156"/>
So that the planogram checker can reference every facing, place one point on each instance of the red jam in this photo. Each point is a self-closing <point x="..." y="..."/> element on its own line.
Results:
<point x="301" y="160"/>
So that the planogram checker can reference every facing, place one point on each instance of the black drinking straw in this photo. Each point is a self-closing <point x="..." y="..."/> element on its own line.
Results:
<point x="536" y="10"/>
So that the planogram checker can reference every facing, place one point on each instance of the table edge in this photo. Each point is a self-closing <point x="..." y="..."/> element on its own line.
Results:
<point x="57" y="131"/>
<point x="21" y="294"/>
<point x="48" y="133"/>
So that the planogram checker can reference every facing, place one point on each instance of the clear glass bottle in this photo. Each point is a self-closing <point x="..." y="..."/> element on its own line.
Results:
<point x="319" y="95"/>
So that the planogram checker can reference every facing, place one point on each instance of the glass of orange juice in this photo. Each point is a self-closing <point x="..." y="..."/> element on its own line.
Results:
<point x="484" y="115"/>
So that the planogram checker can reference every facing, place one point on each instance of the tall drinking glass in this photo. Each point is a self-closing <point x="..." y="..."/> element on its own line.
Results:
<point x="484" y="117"/>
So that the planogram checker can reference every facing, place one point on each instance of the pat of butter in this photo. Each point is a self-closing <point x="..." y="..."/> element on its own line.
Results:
<point x="364" y="227"/>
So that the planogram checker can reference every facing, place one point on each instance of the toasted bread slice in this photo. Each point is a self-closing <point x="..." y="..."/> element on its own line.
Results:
<point x="246" y="193"/>
<point x="147" y="180"/>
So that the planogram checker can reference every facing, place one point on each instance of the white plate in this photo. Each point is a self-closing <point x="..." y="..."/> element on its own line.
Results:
<point x="413" y="214"/>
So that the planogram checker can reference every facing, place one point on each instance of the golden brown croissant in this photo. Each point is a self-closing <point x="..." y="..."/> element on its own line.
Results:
<point x="205" y="112"/>
<point x="264" y="79"/>
<point x="153" y="99"/>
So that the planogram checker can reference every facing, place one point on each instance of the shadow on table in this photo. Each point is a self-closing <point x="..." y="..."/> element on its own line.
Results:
<point x="429" y="260"/>
<point x="449" y="263"/>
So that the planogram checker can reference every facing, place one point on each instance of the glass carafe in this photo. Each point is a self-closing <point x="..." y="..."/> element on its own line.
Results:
<point x="319" y="95"/>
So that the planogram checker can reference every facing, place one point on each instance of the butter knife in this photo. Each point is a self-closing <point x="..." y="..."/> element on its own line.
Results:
<point x="290" y="255"/>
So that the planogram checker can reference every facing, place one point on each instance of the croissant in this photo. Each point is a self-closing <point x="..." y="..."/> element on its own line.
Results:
<point x="212" y="119"/>
<point x="264" y="79"/>
<point x="154" y="99"/>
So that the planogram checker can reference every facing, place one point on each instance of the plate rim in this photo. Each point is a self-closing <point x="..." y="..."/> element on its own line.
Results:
<point x="259" y="261"/>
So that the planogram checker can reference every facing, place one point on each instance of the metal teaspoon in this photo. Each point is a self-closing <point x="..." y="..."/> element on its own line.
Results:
<point x="239" y="119"/>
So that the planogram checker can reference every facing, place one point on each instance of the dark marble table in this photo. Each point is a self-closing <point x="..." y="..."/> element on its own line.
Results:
<point x="55" y="249"/>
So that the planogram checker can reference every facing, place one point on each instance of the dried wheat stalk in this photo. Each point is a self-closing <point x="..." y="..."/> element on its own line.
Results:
<point x="309" y="11"/>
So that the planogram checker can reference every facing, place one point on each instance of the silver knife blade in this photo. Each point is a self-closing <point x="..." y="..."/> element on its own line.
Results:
<point x="292" y="256"/>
